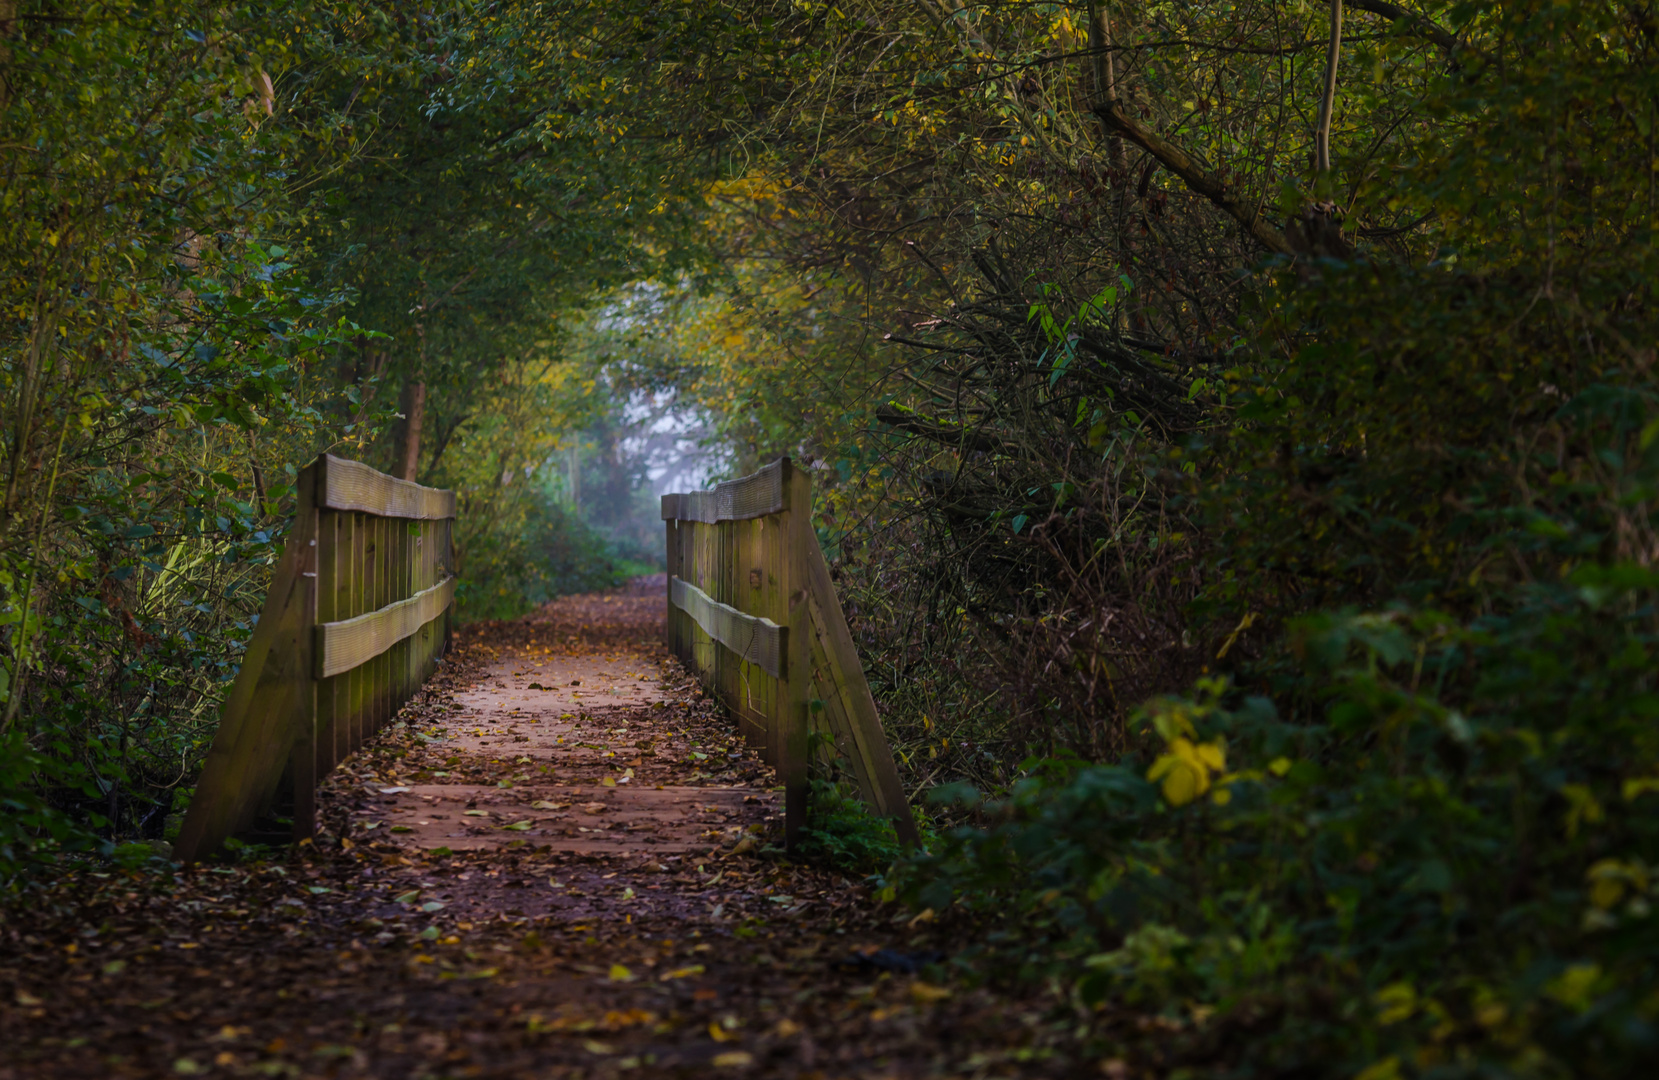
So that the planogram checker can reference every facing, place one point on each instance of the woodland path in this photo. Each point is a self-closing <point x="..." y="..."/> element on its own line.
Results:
<point x="557" y="864"/>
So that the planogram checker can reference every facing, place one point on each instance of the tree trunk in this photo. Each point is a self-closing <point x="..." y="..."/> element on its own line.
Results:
<point x="413" y="407"/>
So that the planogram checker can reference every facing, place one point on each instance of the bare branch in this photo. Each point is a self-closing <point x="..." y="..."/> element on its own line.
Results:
<point x="1423" y="27"/>
<point x="1194" y="175"/>
<point x="1327" y="103"/>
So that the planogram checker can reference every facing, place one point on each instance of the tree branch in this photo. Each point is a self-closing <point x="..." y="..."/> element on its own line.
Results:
<point x="1194" y="175"/>
<point x="1422" y="26"/>
<point x="1327" y="103"/>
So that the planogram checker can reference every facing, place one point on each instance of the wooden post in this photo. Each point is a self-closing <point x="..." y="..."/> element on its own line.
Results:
<point x="330" y="747"/>
<point x="671" y="561"/>
<point x="848" y="703"/>
<point x="303" y="756"/>
<point x="796" y="525"/>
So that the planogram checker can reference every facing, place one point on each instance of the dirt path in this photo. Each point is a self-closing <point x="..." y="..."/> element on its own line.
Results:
<point x="556" y="865"/>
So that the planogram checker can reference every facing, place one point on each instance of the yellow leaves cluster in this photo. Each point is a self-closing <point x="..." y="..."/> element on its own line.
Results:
<point x="1189" y="768"/>
<point x="1186" y="770"/>
<point x="1611" y="880"/>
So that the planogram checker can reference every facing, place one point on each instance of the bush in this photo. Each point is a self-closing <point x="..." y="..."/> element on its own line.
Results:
<point x="841" y="832"/>
<point x="1442" y="860"/>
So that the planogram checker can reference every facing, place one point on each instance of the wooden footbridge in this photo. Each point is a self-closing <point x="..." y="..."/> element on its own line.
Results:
<point x="360" y="611"/>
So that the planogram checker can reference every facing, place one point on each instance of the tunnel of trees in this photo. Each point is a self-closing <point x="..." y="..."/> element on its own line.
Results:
<point x="1235" y="428"/>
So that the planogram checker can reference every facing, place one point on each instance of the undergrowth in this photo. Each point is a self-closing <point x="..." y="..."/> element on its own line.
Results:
<point x="1438" y="855"/>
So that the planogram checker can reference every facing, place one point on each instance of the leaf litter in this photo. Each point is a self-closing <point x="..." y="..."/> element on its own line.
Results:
<point x="368" y="954"/>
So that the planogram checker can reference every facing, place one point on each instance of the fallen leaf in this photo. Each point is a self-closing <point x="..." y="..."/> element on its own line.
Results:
<point x="593" y="808"/>
<point x="683" y="973"/>
<point x="543" y="804"/>
<point x="26" y="999"/>
<point x="407" y="898"/>
<point x="433" y="905"/>
<point x="734" y="1059"/>
<point x="619" y="973"/>
<point x="718" y="1033"/>
<point x="393" y="790"/>
<point x="519" y="826"/>
<point x="924" y="994"/>
<point x="476" y="813"/>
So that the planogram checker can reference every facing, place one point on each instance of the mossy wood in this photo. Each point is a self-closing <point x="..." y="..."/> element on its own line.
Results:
<point x="752" y="610"/>
<point x="356" y="619"/>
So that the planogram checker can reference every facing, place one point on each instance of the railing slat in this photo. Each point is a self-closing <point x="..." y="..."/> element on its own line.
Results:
<point x="344" y="645"/>
<point x="759" y="641"/>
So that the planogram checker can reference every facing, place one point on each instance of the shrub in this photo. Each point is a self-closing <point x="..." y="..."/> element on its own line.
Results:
<point x="1442" y="858"/>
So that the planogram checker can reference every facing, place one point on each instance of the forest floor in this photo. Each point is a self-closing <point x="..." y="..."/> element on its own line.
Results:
<point x="560" y="862"/>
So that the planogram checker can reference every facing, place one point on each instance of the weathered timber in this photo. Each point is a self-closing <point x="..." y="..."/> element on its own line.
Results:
<point x="348" y="643"/>
<point x="752" y="612"/>
<point x="760" y="641"/>
<point x="350" y="485"/>
<point x="355" y="621"/>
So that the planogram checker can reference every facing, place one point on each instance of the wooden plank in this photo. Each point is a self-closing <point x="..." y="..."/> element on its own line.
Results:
<point x="756" y="495"/>
<point x="760" y="641"/>
<point x="256" y="729"/>
<point x="671" y="561"/>
<point x="874" y="757"/>
<point x="836" y="710"/>
<point x="346" y="644"/>
<point x="328" y="610"/>
<point x="351" y="485"/>
<point x="362" y="563"/>
<point x="397" y="656"/>
<point x="303" y="767"/>
<point x="378" y="599"/>
<point x="796" y="682"/>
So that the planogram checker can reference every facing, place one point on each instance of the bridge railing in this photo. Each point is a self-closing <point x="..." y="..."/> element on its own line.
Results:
<point x="752" y="610"/>
<point x="357" y="615"/>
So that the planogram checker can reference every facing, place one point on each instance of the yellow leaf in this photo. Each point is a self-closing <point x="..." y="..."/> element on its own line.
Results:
<point x="1575" y="987"/>
<point x="619" y="973"/>
<point x="1386" y="1069"/>
<point x="925" y="994"/>
<point x="718" y="1033"/>
<point x="1582" y="809"/>
<point x="734" y="1059"/>
<point x="1395" y="1002"/>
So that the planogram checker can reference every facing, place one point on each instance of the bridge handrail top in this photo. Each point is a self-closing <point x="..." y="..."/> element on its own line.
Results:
<point x="765" y="491"/>
<point x="343" y="484"/>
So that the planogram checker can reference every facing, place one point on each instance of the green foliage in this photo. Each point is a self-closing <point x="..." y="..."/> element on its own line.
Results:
<point x="549" y="552"/>
<point x="193" y="195"/>
<point x="842" y="832"/>
<point x="1444" y="857"/>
